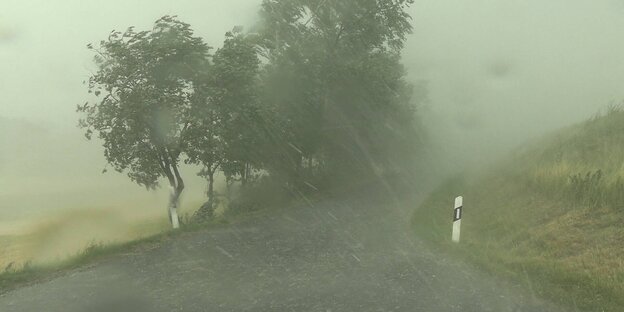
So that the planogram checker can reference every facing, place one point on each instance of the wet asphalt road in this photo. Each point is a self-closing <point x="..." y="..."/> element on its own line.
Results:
<point x="355" y="255"/>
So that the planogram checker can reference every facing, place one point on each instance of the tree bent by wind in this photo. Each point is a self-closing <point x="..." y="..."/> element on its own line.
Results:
<point x="317" y="96"/>
<point x="144" y="86"/>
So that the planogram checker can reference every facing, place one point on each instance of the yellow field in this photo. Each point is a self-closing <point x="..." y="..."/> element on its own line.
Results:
<point x="67" y="233"/>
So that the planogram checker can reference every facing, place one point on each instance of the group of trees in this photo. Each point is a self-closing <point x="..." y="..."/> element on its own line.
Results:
<point x="316" y="91"/>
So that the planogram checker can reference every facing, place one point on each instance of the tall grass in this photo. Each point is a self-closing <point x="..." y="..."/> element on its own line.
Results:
<point x="549" y="217"/>
<point x="583" y="165"/>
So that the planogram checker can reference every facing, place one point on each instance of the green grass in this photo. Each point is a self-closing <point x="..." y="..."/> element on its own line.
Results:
<point x="550" y="217"/>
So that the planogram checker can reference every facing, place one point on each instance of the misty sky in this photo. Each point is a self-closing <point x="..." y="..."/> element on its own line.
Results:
<point x="502" y="71"/>
<point x="497" y="71"/>
<point x="44" y="57"/>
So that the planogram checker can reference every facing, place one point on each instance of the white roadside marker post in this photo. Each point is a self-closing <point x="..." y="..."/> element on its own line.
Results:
<point x="457" y="215"/>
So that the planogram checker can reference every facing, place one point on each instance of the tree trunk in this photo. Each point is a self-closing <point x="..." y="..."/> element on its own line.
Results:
<point x="174" y="201"/>
<point x="169" y="165"/>
<point x="244" y="175"/>
<point x="211" y="188"/>
<point x="228" y="187"/>
<point x="206" y="211"/>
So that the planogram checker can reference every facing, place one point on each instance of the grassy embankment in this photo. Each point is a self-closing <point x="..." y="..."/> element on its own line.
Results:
<point x="27" y="258"/>
<point x="551" y="216"/>
<point x="74" y="238"/>
<point x="50" y="248"/>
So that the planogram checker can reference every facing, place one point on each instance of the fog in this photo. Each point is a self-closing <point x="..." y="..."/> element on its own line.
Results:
<point x="500" y="72"/>
<point x="497" y="73"/>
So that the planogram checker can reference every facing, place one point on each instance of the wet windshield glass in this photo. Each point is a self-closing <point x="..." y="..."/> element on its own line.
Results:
<point x="311" y="155"/>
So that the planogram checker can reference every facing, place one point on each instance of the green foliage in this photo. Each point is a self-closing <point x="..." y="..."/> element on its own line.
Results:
<point x="237" y="68"/>
<point x="549" y="217"/>
<point x="317" y="96"/>
<point x="580" y="166"/>
<point x="144" y="88"/>
<point x="336" y="85"/>
<point x="362" y="25"/>
<point x="586" y="189"/>
<point x="223" y="128"/>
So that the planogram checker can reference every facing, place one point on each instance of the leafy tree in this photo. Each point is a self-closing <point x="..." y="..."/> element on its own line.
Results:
<point x="236" y="68"/>
<point x="144" y="87"/>
<point x="225" y="117"/>
<point x="344" y="103"/>
<point x="205" y="144"/>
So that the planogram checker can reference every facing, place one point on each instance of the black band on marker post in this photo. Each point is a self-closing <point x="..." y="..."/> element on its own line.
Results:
<point x="457" y="213"/>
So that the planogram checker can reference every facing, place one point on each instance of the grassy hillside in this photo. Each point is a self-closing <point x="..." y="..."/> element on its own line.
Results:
<point x="551" y="216"/>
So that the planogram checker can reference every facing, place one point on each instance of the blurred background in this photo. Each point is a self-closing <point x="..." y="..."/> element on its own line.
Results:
<point x="489" y="75"/>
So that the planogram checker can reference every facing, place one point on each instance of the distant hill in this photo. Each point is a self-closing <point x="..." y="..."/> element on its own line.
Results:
<point x="551" y="215"/>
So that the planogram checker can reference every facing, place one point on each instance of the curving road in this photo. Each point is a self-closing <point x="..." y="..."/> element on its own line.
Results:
<point x="355" y="255"/>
